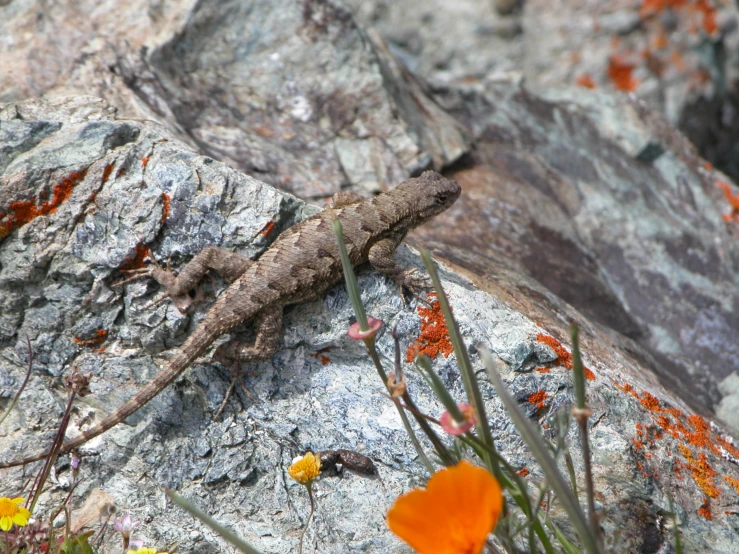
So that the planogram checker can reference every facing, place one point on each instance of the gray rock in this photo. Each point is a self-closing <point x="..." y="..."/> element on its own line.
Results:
<point x="678" y="68"/>
<point x="295" y="94"/>
<point x="562" y="191"/>
<point x="728" y="410"/>
<point x="730" y="385"/>
<point x="235" y="468"/>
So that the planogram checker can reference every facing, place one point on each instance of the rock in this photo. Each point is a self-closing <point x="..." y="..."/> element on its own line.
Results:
<point x="264" y="86"/>
<point x="730" y="385"/>
<point x="561" y="190"/>
<point x="577" y="206"/>
<point x="728" y="410"/>
<point x="680" y="58"/>
<point x="130" y="190"/>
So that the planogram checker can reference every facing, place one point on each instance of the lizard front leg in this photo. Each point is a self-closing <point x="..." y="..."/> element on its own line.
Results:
<point x="380" y="256"/>
<point x="183" y="289"/>
<point x="232" y="354"/>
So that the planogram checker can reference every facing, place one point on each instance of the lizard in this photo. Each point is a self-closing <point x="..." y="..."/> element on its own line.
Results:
<point x="302" y="263"/>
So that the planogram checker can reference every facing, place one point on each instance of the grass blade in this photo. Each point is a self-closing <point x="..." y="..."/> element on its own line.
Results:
<point x="540" y="451"/>
<point x="224" y="532"/>
<point x="350" y="278"/>
<point x="465" y="366"/>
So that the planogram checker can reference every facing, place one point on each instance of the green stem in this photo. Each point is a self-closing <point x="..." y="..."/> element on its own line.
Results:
<point x="309" y="486"/>
<point x="404" y="418"/>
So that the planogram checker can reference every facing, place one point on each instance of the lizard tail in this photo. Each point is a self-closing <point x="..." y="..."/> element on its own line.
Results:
<point x="174" y="367"/>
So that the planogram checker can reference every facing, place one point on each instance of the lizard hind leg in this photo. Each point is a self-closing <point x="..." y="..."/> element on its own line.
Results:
<point x="234" y="354"/>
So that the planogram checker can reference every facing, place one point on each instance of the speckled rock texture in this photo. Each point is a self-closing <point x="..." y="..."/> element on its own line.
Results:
<point x="576" y="206"/>
<point x="265" y="86"/>
<point x="101" y="193"/>
<point x="603" y="203"/>
<point x="679" y="57"/>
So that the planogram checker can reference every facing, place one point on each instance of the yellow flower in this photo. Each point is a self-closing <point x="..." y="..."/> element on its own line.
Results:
<point x="454" y="514"/>
<point x="145" y="550"/>
<point x="305" y="468"/>
<point x="11" y="512"/>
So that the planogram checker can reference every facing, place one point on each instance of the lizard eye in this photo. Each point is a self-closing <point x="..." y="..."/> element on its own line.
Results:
<point x="442" y="197"/>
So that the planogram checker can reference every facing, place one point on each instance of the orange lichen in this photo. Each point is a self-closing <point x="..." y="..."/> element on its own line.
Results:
<point x="267" y="229"/>
<point x="543" y="369"/>
<point x="709" y="16"/>
<point x="705" y="510"/>
<point x="538" y="399"/>
<point x="319" y="355"/>
<point x="691" y="431"/>
<point x="166" y="207"/>
<point x="563" y="357"/>
<point x="726" y="445"/>
<point x="703" y="473"/>
<point x="523" y="472"/>
<point x="649" y="401"/>
<point x="689" y="17"/>
<point x="619" y="72"/>
<point x="733" y="482"/>
<point x="106" y="173"/>
<point x="585" y="81"/>
<point x="21" y="212"/>
<point x="136" y="260"/>
<point x="100" y="336"/>
<point x="649" y="8"/>
<point x="434" y="337"/>
<point x="733" y="200"/>
<point x="145" y="161"/>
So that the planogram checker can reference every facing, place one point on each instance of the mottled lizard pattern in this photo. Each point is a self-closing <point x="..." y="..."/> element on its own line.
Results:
<point x="302" y="263"/>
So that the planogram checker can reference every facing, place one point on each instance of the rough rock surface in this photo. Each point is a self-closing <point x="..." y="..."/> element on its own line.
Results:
<point x="97" y="192"/>
<point x="679" y="57"/>
<point x="292" y="92"/>
<point x="609" y="208"/>
<point x="575" y="207"/>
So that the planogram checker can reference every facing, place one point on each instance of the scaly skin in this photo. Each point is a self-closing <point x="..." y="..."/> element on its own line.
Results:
<point x="302" y="263"/>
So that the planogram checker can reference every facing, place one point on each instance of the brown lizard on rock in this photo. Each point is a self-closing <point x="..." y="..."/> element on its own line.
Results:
<point x="302" y="263"/>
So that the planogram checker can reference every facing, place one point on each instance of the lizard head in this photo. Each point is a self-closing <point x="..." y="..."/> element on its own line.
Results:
<point x="431" y="194"/>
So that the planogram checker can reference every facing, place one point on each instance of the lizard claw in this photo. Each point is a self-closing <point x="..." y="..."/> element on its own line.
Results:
<point x="413" y="281"/>
<point x="234" y="368"/>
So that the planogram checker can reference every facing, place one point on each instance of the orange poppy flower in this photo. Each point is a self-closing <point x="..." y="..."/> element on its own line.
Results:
<point x="454" y="514"/>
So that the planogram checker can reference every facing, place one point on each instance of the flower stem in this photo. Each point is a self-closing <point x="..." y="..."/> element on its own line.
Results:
<point x="404" y="418"/>
<point x="581" y="416"/>
<point x="23" y="384"/>
<point x="310" y="516"/>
